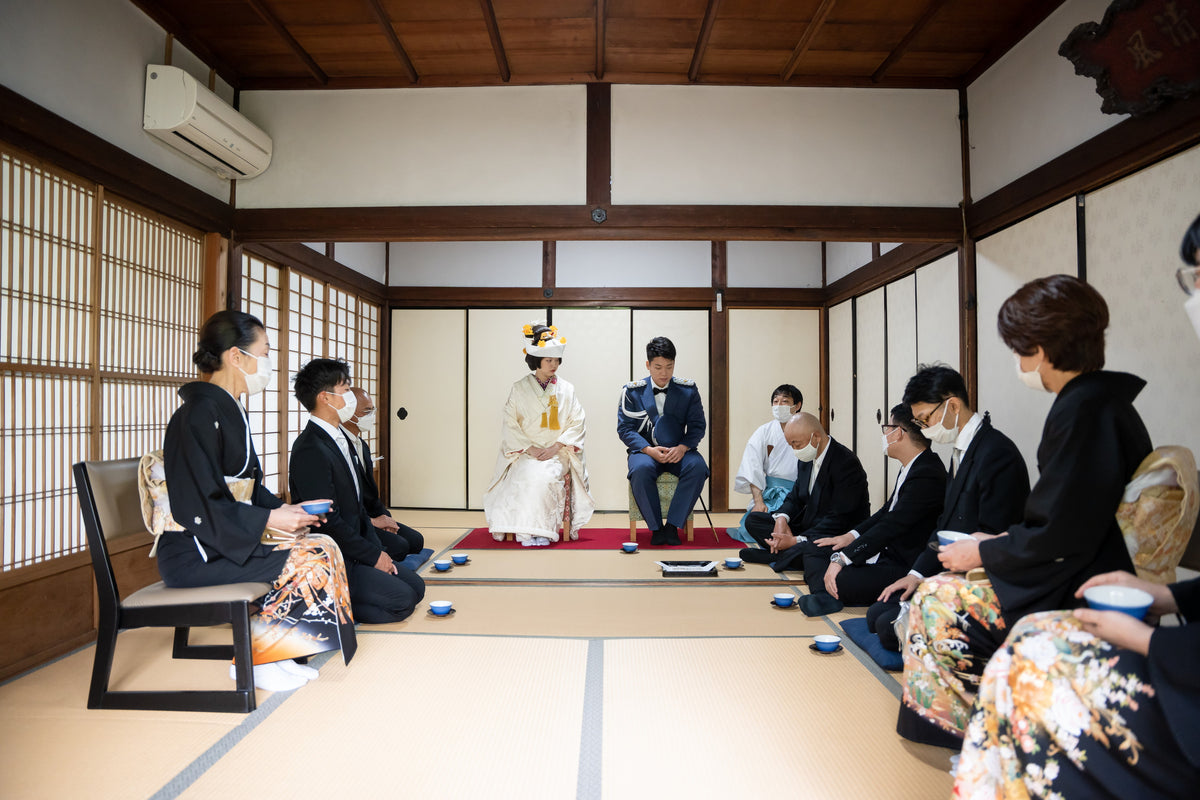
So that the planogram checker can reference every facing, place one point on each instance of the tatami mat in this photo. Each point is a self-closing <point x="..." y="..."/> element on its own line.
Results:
<point x="420" y="717"/>
<point x="727" y="718"/>
<point x="611" y="611"/>
<point x="587" y="565"/>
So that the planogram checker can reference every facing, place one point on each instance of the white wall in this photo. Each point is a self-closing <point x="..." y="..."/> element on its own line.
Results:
<point x="85" y="60"/>
<point x="504" y="264"/>
<point x="776" y="265"/>
<point x="842" y="258"/>
<point x="601" y="263"/>
<point x="734" y="145"/>
<point x="1030" y="106"/>
<point x="368" y="258"/>
<point x="512" y="145"/>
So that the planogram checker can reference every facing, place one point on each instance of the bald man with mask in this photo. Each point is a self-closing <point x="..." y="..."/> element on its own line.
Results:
<point x="828" y="499"/>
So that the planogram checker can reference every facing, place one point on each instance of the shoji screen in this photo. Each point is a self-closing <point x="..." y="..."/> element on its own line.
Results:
<point x="768" y="347"/>
<point x="688" y="330"/>
<point x="841" y="372"/>
<point x="494" y="362"/>
<point x="597" y="365"/>
<point x="1041" y="245"/>
<point x="901" y="352"/>
<point x="427" y="448"/>
<point x="870" y="324"/>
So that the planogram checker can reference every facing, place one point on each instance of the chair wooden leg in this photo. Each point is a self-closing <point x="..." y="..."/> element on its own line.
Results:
<point x="632" y="531"/>
<point x="243" y="657"/>
<point x="690" y="529"/>
<point x="106" y="645"/>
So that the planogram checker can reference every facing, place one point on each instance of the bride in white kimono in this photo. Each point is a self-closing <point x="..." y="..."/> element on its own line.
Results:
<point x="541" y="476"/>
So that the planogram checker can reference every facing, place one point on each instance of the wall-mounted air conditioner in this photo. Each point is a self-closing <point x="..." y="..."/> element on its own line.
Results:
<point x="192" y="119"/>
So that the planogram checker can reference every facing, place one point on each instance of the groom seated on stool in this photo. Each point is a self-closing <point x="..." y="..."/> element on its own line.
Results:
<point x="661" y="421"/>
<point x="828" y="498"/>
<point x="854" y="567"/>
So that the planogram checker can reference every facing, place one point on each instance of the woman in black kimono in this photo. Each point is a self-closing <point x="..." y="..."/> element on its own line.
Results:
<point x="1094" y="703"/>
<point x="230" y="529"/>
<point x="1092" y="442"/>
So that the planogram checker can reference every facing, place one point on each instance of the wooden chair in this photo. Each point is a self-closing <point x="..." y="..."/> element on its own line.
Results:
<point x="108" y="498"/>
<point x="667" y="483"/>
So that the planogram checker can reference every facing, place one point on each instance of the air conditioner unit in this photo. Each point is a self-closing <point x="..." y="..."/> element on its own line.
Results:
<point x="192" y="119"/>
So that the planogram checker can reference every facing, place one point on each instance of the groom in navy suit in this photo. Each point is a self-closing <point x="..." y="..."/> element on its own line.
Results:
<point x="661" y="421"/>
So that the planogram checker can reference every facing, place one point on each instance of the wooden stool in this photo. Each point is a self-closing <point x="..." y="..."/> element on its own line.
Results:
<point x="667" y="484"/>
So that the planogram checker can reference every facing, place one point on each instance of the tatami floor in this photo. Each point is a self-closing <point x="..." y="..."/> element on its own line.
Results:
<point x="562" y="674"/>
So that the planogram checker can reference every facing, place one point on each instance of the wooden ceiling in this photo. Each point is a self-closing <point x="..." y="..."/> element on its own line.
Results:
<point x="351" y="44"/>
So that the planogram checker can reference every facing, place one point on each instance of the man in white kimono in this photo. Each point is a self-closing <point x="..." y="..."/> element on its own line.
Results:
<point x="768" y="467"/>
<point x="541" y="480"/>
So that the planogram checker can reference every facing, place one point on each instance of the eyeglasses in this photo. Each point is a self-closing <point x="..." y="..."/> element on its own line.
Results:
<point x="1188" y="277"/>
<point x="888" y="428"/>
<point x="923" y="421"/>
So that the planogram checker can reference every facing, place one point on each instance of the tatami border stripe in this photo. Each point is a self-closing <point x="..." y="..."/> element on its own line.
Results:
<point x="591" y="739"/>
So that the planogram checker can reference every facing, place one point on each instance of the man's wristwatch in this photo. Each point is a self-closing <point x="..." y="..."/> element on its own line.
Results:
<point x="839" y="558"/>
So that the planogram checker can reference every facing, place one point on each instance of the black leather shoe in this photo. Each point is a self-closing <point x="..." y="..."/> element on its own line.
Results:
<point x="756" y="555"/>
<point x="658" y="537"/>
<point x="672" y="534"/>
<point x="820" y="604"/>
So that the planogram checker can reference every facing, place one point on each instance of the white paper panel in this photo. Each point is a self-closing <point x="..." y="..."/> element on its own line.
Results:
<point x="632" y="263"/>
<point x="870" y="324"/>
<point x="901" y="352"/>
<point x="1133" y="233"/>
<point x="792" y="265"/>
<point x="597" y="364"/>
<point x="689" y="331"/>
<point x="937" y="312"/>
<point x="428" y="448"/>
<point x="841" y="372"/>
<point x="494" y="363"/>
<point x="1041" y="245"/>
<point x="768" y="347"/>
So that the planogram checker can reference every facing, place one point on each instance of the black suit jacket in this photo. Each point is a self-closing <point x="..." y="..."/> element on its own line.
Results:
<point x="838" y="501"/>
<point x="899" y="535"/>
<point x="317" y="470"/>
<point x="1174" y="652"/>
<point x="370" y="498"/>
<point x="987" y="493"/>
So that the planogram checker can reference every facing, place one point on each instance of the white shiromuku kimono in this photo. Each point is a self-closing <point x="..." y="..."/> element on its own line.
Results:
<point x="768" y="463"/>
<point x="527" y="497"/>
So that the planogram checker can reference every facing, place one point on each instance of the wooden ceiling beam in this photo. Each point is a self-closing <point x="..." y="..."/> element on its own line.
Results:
<point x="1034" y="16"/>
<point x="806" y="39"/>
<point x="268" y="16"/>
<point x="493" y="28"/>
<point x="900" y="49"/>
<point x="601" y="32"/>
<point x="171" y="24"/>
<point x="389" y="32"/>
<point x="710" y="18"/>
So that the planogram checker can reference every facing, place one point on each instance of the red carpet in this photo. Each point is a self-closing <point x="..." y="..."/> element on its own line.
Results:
<point x="604" y="539"/>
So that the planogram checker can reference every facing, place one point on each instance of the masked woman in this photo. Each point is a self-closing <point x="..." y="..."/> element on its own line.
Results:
<point x="228" y="528"/>
<point x="541" y="479"/>
<point x="1092" y="442"/>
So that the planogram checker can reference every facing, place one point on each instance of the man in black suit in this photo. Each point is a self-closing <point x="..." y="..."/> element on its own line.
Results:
<point x="884" y="546"/>
<point x="324" y="466"/>
<point x="989" y="482"/>
<point x="828" y="498"/>
<point x="407" y="544"/>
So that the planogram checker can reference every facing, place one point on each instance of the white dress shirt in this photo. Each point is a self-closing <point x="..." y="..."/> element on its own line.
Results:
<point x="338" y="436"/>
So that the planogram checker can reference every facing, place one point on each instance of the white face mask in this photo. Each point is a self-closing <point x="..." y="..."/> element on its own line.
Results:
<point x="351" y="405"/>
<point x="886" y="444"/>
<point x="366" y="423"/>
<point x="1033" y="378"/>
<point x="781" y="413"/>
<point x="1192" y="307"/>
<point x="806" y="453"/>
<point x="257" y="381"/>
<point x="939" y="432"/>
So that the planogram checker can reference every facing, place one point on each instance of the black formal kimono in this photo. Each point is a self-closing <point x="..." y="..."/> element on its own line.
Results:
<point x="318" y="470"/>
<point x="838" y="501"/>
<point x="1060" y="711"/>
<point x="1092" y="442"/>
<point x="895" y="534"/>
<point x="307" y="609"/>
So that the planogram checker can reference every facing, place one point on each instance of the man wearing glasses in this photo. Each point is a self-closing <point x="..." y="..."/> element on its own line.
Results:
<point x="989" y="482"/>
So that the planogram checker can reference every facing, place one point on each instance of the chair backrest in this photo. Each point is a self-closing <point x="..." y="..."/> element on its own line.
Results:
<point x="108" y="499"/>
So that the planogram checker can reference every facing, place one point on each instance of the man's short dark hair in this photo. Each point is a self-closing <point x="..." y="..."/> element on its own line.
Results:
<point x="787" y="390"/>
<point x="660" y="347"/>
<point x="902" y="415"/>
<point x="1061" y="314"/>
<point x="1190" y="244"/>
<point x="933" y="383"/>
<point x="319" y="375"/>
